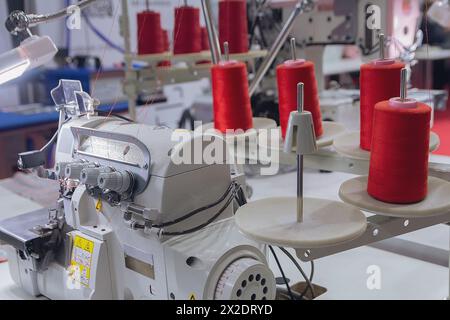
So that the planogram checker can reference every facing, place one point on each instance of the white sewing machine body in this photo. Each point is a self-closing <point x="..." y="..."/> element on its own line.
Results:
<point x="105" y="244"/>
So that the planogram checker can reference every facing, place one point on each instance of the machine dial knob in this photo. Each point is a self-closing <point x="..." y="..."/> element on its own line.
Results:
<point x="73" y="170"/>
<point x="246" y="279"/>
<point x="89" y="176"/>
<point x="115" y="181"/>
<point x="60" y="169"/>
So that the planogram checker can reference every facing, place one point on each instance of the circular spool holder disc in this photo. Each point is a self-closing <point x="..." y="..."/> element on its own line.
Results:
<point x="258" y="124"/>
<point x="348" y="145"/>
<point x="354" y="192"/>
<point x="325" y="223"/>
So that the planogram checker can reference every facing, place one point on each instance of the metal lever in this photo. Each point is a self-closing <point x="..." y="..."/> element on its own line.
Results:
<point x="86" y="104"/>
<point x="64" y="93"/>
<point x="212" y="33"/>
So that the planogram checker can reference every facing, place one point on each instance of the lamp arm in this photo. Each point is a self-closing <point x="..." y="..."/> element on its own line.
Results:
<point x="19" y="22"/>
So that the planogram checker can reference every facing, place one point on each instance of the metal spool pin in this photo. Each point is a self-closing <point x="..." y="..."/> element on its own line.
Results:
<point x="293" y="49"/>
<point x="226" y="51"/>
<point x="300" y="104"/>
<point x="404" y="85"/>
<point x="382" y="46"/>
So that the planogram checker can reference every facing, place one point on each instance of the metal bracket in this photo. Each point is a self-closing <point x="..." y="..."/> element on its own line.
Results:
<point x="330" y="160"/>
<point x="378" y="228"/>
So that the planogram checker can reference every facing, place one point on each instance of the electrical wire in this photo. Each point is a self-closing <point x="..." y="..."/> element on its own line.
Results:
<point x="294" y="261"/>
<point x="256" y="21"/>
<point x="107" y="114"/>
<point x="99" y="34"/>
<point x="68" y="32"/>
<point x="241" y="199"/>
<point x="282" y="273"/>
<point x="54" y="137"/>
<point x="311" y="277"/>
<point x="179" y="233"/>
<point x="197" y="211"/>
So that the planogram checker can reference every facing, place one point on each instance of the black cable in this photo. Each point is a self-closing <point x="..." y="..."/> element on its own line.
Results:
<point x="294" y="261"/>
<point x="256" y="21"/>
<point x="186" y="116"/>
<point x="282" y="273"/>
<point x="197" y="211"/>
<point x="106" y="114"/>
<point x="253" y="29"/>
<point x="311" y="277"/>
<point x="240" y="197"/>
<point x="197" y="228"/>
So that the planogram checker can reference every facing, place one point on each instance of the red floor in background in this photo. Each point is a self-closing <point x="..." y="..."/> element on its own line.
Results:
<point x="442" y="128"/>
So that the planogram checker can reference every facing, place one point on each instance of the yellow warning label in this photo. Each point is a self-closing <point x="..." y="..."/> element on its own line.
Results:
<point x="82" y="259"/>
<point x="99" y="205"/>
<point x="192" y="296"/>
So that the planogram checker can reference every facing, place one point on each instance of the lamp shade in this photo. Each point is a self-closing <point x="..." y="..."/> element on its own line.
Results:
<point x="32" y="53"/>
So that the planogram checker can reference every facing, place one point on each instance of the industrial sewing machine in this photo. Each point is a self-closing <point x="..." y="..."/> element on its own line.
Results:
<point x="129" y="223"/>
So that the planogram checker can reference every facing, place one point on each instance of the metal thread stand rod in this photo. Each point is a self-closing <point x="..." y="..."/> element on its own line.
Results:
<point x="226" y="51"/>
<point x="212" y="33"/>
<point x="382" y="45"/>
<point x="293" y="49"/>
<point x="300" y="103"/>
<point x="404" y="84"/>
<point x="129" y="74"/>
<point x="278" y="44"/>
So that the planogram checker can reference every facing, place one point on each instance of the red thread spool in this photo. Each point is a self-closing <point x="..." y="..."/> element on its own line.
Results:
<point x="205" y="39"/>
<point x="187" y="31"/>
<point x="232" y="107"/>
<point x="400" y="151"/>
<point x="233" y="25"/>
<point x="205" y="45"/>
<point x="150" y="34"/>
<point x="166" y="40"/>
<point x="379" y="81"/>
<point x="289" y="74"/>
<point x="165" y="63"/>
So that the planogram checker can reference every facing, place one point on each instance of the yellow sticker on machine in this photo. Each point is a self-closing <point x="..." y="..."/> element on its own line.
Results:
<point x="82" y="258"/>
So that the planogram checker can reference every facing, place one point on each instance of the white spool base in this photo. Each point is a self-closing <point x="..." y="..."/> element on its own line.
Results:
<point x="274" y="221"/>
<point x="354" y="192"/>
<point x="331" y="130"/>
<point x="348" y="145"/>
<point x="258" y="124"/>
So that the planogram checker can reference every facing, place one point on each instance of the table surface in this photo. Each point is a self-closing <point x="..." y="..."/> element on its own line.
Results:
<point x="345" y="275"/>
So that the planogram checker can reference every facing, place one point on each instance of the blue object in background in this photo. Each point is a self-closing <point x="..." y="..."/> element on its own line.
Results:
<point x="13" y="121"/>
